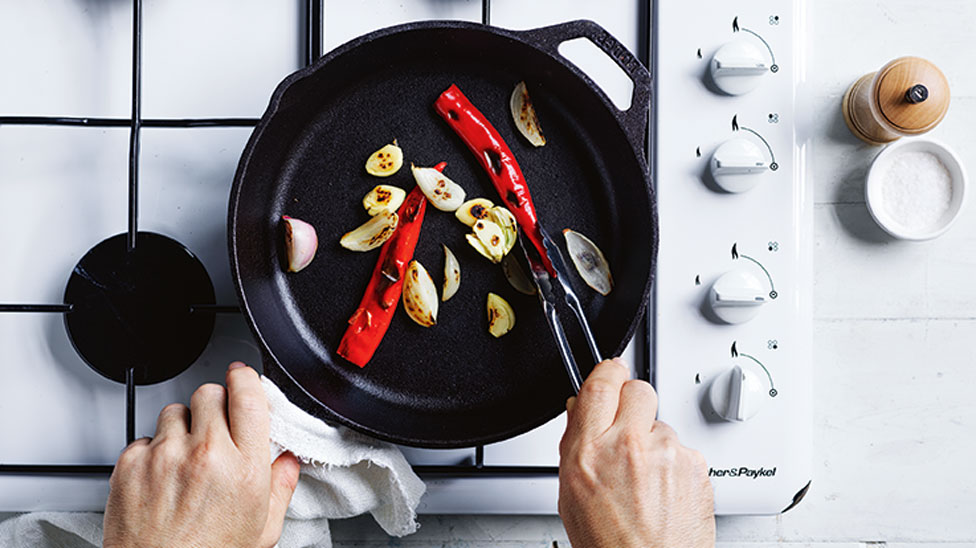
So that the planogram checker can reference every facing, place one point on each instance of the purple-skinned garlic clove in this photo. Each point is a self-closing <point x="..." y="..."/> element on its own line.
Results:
<point x="300" y="243"/>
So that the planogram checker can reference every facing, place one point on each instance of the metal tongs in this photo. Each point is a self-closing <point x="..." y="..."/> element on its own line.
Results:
<point x="544" y="287"/>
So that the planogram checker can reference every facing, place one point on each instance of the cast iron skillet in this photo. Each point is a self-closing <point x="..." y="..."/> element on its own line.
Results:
<point x="452" y="385"/>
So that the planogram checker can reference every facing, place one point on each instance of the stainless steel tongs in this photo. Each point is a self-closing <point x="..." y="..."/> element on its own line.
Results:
<point x="543" y="285"/>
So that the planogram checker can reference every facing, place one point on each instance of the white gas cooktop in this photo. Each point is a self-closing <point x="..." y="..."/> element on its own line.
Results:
<point x="63" y="189"/>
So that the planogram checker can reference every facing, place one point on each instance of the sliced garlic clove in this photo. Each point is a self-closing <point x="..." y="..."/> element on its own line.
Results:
<point x="479" y="247"/>
<point x="590" y="262"/>
<point x="472" y="210"/>
<point x="452" y="274"/>
<point x="300" y="243"/>
<point x="443" y="193"/>
<point x="501" y="317"/>
<point x="492" y="237"/>
<point x="372" y="234"/>
<point x="516" y="276"/>
<point x="385" y="161"/>
<point x="524" y="115"/>
<point x="420" y="295"/>
<point x="383" y="197"/>
<point x="504" y="219"/>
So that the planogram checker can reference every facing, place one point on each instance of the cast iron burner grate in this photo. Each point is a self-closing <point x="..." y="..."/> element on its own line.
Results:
<point x="144" y="292"/>
<point x="194" y="294"/>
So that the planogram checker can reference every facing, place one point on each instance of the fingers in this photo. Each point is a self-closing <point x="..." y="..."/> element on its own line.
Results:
<point x="173" y="421"/>
<point x="284" y="479"/>
<point x="138" y="444"/>
<point x="638" y="406"/>
<point x="595" y="408"/>
<point x="208" y="410"/>
<point x="131" y="458"/>
<point x="247" y="408"/>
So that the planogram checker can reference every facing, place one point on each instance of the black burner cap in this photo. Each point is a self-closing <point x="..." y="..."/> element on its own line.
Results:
<point x="133" y="309"/>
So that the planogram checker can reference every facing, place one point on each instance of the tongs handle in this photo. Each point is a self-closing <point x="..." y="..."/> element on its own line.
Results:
<point x="565" y="351"/>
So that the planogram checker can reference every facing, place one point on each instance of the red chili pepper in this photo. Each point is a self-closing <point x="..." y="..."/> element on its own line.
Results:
<point x="497" y="159"/>
<point x="370" y="321"/>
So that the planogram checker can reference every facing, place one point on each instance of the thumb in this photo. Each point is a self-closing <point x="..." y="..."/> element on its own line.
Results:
<point x="284" y="479"/>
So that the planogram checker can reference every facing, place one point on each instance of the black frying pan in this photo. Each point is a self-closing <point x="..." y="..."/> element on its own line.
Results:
<point x="452" y="385"/>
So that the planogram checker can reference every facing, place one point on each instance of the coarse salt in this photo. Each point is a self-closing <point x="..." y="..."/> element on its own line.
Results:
<point x="916" y="191"/>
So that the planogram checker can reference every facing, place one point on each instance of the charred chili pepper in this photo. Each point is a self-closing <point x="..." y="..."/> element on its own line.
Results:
<point x="497" y="159"/>
<point x="370" y="321"/>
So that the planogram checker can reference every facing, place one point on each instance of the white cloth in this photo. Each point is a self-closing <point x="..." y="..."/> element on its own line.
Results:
<point x="344" y="474"/>
<point x="52" y="530"/>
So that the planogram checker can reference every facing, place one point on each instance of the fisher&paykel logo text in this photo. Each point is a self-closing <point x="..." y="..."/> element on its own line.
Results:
<point x="744" y="472"/>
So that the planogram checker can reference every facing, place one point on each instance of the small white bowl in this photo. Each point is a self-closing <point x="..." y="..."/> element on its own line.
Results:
<point x="872" y="189"/>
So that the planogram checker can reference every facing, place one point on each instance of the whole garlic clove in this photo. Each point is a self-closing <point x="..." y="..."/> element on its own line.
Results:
<point x="501" y="316"/>
<point x="452" y="274"/>
<point x="523" y="113"/>
<point x="516" y="275"/>
<point x="301" y="241"/>
<point x="443" y="193"/>
<point x="420" y="295"/>
<point x="589" y="261"/>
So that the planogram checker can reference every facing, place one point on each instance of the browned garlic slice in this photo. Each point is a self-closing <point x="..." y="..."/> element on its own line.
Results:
<point x="300" y="243"/>
<point x="524" y="115"/>
<point x="501" y="317"/>
<point x="385" y="161"/>
<point x="590" y="262"/>
<point x="383" y="197"/>
<point x="420" y="295"/>
<point x="472" y="210"/>
<point x="452" y="274"/>
<point x="474" y="242"/>
<point x="491" y="236"/>
<point x="443" y="193"/>
<point x="372" y="234"/>
<point x="506" y="221"/>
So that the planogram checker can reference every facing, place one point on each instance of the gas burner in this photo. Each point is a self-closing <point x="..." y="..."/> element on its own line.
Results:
<point x="135" y="309"/>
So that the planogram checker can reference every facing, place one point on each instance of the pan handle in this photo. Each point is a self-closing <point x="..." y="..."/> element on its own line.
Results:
<point x="634" y="120"/>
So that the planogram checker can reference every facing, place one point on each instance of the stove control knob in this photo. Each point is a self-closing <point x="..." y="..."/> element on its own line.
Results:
<point x="737" y="296"/>
<point x="737" y="394"/>
<point x="738" y="67"/>
<point x="737" y="165"/>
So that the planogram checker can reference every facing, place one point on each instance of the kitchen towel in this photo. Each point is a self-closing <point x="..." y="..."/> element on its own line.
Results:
<point x="344" y="474"/>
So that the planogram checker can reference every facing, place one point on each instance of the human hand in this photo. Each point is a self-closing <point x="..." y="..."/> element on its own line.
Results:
<point x="624" y="480"/>
<point x="208" y="482"/>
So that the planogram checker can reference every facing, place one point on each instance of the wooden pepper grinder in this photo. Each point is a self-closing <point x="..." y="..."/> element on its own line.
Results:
<point x="908" y="96"/>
